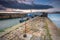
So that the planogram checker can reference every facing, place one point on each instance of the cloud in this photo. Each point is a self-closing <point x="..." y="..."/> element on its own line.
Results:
<point x="2" y="8"/>
<point x="24" y="5"/>
<point x="53" y="10"/>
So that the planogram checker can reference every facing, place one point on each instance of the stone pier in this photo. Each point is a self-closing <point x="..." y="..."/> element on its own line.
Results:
<point x="38" y="28"/>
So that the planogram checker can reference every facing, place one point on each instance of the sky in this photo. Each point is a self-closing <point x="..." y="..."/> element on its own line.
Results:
<point x="54" y="3"/>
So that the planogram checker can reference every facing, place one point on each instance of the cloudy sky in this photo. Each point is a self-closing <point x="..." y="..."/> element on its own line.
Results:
<point x="54" y="3"/>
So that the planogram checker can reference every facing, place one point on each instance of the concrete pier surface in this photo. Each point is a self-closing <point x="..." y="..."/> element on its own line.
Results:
<point x="38" y="28"/>
<point x="55" y="32"/>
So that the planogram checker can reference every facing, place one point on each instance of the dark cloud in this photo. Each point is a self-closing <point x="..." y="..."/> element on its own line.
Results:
<point x="56" y="3"/>
<point x="2" y="8"/>
<point x="14" y="4"/>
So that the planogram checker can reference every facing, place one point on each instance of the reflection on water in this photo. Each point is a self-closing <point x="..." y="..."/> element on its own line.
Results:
<point x="8" y="23"/>
<point x="55" y="18"/>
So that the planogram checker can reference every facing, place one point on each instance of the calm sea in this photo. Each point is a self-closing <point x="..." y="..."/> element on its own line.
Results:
<point x="55" y="18"/>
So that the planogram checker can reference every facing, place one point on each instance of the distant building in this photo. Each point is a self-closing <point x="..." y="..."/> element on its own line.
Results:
<point x="9" y="15"/>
